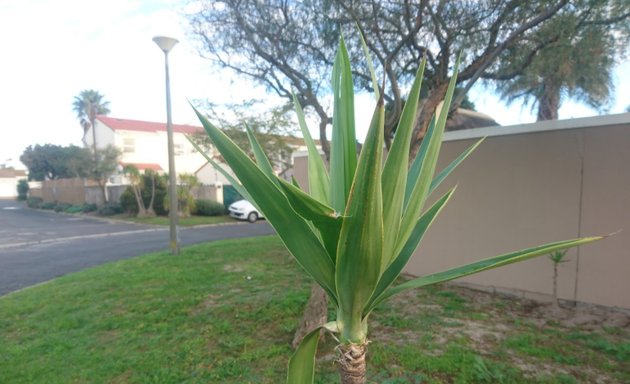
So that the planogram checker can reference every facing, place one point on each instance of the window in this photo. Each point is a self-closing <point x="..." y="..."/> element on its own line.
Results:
<point x="178" y="149"/>
<point x="129" y="145"/>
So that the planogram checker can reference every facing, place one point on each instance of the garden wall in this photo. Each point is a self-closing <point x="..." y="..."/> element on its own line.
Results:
<point x="532" y="184"/>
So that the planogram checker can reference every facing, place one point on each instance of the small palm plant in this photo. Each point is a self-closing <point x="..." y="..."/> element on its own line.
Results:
<point x="556" y="258"/>
<point x="359" y="224"/>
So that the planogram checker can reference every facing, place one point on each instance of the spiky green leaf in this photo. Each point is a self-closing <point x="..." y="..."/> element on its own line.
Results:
<point x="427" y="169"/>
<point x="394" y="178"/>
<point x="485" y="264"/>
<point x="318" y="179"/>
<point x="360" y="251"/>
<point x="302" y="363"/>
<point x="366" y="52"/>
<point x="323" y="217"/>
<point x="259" y="154"/>
<point x="343" y="151"/>
<point x="416" y="165"/>
<point x="234" y="182"/>
<point x="293" y="230"/>
<point x="446" y="171"/>
<point x="396" y="267"/>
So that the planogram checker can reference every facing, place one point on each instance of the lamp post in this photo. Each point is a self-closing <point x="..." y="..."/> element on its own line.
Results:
<point x="166" y="44"/>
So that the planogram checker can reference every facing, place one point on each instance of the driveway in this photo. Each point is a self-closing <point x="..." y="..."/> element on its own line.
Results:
<point x="36" y="246"/>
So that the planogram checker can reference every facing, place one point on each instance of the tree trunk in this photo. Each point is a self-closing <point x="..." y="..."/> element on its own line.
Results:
<point x="142" y="212"/>
<point x="315" y="314"/>
<point x="103" y="186"/>
<point x="425" y="112"/>
<point x="549" y="103"/>
<point x="151" y="210"/>
<point x="352" y="364"/>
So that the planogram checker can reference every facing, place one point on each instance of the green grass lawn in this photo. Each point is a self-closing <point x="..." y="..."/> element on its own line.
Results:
<point x="183" y="221"/>
<point x="225" y="312"/>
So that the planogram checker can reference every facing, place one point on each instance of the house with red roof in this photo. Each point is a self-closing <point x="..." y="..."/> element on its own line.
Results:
<point x="144" y="143"/>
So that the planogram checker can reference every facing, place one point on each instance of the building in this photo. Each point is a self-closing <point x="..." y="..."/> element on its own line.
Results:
<point x="144" y="145"/>
<point x="9" y="178"/>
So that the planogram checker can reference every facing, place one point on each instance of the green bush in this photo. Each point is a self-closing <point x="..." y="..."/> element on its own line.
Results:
<point x="128" y="202"/>
<point x="22" y="190"/>
<point x="74" y="209"/>
<point x="61" y="207"/>
<point x="206" y="207"/>
<point x="34" y="202"/>
<point x="89" y="207"/>
<point x="48" y="205"/>
<point x="110" y="209"/>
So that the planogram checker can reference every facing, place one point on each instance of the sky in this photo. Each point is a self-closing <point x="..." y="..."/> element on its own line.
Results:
<point x="52" y="50"/>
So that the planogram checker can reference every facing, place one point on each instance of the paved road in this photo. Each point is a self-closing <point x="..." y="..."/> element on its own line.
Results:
<point x="36" y="246"/>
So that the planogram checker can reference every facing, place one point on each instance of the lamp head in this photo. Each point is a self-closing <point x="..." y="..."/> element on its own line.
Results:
<point x="165" y="43"/>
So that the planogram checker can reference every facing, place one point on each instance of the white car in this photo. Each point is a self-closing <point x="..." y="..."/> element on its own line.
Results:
<point x="244" y="210"/>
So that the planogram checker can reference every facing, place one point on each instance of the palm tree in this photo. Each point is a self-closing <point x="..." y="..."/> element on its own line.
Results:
<point x="87" y="105"/>
<point x="574" y="66"/>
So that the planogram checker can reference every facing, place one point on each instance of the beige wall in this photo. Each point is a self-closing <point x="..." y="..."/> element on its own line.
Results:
<point x="529" y="185"/>
<point x="527" y="189"/>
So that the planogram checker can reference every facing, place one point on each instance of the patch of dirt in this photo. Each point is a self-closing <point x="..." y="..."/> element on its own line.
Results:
<point x="209" y="302"/>
<point x="232" y="268"/>
<point x="487" y="319"/>
<point x="590" y="317"/>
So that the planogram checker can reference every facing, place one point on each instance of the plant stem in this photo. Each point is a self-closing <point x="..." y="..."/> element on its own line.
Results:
<point x="352" y="364"/>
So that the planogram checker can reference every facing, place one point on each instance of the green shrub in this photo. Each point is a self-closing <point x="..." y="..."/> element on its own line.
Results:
<point x="48" y="205"/>
<point x="128" y="202"/>
<point x="34" y="202"/>
<point x="74" y="209"/>
<point x="61" y="207"/>
<point x="88" y="207"/>
<point x="110" y="209"/>
<point x="22" y="190"/>
<point x="206" y="207"/>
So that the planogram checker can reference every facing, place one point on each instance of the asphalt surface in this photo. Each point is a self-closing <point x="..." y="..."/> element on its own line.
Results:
<point x="36" y="246"/>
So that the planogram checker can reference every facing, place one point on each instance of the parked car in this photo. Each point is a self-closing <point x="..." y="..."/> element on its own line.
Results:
<point x="244" y="210"/>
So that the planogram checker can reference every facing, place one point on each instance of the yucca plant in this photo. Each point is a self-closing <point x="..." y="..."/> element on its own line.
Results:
<point x="359" y="224"/>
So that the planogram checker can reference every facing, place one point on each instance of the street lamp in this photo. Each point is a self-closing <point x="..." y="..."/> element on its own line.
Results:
<point x="166" y="44"/>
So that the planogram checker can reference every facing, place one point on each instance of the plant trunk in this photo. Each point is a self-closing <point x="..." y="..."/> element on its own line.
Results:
<point x="150" y="210"/>
<point x="352" y="364"/>
<point x="103" y="186"/>
<point x="556" y="305"/>
<point x="315" y="314"/>
<point x="142" y="212"/>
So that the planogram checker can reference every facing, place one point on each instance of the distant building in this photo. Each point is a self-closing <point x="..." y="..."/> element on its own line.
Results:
<point x="144" y="145"/>
<point x="9" y="178"/>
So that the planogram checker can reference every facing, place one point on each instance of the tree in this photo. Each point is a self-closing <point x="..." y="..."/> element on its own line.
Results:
<point x="137" y="185"/>
<point x="287" y="45"/>
<point x="22" y="189"/>
<point x="185" y="198"/>
<point x="578" y="65"/>
<point x="87" y="105"/>
<point x="153" y="189"/>
<point x="48" y="162"/>
<point x="359" y="224"/>
<point x="103" y="164"/>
